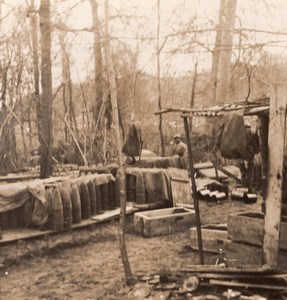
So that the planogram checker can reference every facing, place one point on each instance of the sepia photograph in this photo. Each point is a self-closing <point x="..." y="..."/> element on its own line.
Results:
<point x="142" y="149"/>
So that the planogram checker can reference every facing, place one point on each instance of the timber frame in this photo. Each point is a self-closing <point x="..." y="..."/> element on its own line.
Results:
<point x="272" y="116"/>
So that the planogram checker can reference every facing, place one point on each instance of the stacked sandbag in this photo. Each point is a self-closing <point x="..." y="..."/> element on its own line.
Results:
<point x="76" y="203"/>
<point x="85" y="200"/>
<point x="67" y="205"/>
<point x="93" y="196"/>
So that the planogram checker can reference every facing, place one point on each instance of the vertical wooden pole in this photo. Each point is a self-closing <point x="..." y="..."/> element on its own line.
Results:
<point x="120" y="177"/>
<point x="194" y="191"/>
<point x="263" y="136"/>
<point x="276" y="138"/>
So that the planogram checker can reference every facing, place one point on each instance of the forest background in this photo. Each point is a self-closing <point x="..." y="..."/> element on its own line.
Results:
<point x="174" y="53"/>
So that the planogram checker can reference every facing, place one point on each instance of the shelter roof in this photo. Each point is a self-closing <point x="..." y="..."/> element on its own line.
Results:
<point x="254" y="107"/>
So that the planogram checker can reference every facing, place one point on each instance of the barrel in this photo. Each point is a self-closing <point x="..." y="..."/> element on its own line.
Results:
<point x="219" y="197"/>
<point x="212" y="196"/>
<point x="250" y="198"/>
<point x="99" y="199"/>
<point x="57" y="210"/>
<point x="85" y="201"/>
<point x="76" y="203"/>
<point x="49" y="198"/>
<point x="67" y="205"/>
<point x="93" y="196"/>
<point x="204" y="194"/>
<point x="105" y="196"/>
<point x="237" y="195"/>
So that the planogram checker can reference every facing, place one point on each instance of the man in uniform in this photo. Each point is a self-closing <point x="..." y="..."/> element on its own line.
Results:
<point x="180" y="148"/>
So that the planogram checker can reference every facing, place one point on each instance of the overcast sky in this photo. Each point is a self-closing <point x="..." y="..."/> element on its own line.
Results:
<point x="254" y="14"/>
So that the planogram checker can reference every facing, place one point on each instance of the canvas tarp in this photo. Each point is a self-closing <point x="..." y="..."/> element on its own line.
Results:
<point x="31" y="195"/>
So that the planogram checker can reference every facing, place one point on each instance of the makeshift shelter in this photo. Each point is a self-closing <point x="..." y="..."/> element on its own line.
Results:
<point x="272" y="116"/>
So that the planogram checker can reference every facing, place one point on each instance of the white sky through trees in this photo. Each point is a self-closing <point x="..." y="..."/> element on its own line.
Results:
<point x="137" y="28"/>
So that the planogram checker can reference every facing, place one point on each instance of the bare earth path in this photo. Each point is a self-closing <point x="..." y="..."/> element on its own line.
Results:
<point x="91" y="267"/>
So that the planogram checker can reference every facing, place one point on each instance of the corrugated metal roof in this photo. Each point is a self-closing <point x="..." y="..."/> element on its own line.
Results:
<point x="249" y="108"/>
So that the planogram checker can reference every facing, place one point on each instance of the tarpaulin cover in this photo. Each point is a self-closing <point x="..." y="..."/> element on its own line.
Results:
<point x="31" y="195"/>
<point x="133" y="143"/>
<point x="162" y="162"/>
<point x="13" y="195"/>
<point x="153" y="184"/>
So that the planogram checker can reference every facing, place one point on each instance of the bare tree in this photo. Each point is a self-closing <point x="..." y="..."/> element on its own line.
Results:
<point x="98" y="62"/>
<point x="159" y="104"/>
<point x="223" y="75"/>
<point x="46" y="165"/>
<point x="120" y="170"/>
<point x="216" y="52"/>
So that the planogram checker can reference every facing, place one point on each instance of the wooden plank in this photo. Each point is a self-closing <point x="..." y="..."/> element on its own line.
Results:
<point x="14" y="235"/>
<point x="231" y="171"/>
<point x="243" y="254"/>
<point x="212" y="174"/>
<point x="163" y="221"/>
<point x="204" y="165"/>
<point x="246" y="285"/>
<point x="235" y="270"/>
<point x="212" y="238"/>
<point x="248" y="227"/>
<point x="242" y="276"/>
<point x="107" y="215"/>
<point x="181" y="192"/>
<point x="276" y="136"/>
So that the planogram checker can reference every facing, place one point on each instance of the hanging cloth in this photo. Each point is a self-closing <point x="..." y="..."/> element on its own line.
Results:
<point x="133" y="142"/>
<point x="231" y="137"/>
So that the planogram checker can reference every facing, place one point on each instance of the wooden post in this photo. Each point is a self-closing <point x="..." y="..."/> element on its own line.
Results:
<point x="194" y="191"/>
<point x="263" y="137"/>
<point x="276" y="138"/>
<point x="120" y="177"/>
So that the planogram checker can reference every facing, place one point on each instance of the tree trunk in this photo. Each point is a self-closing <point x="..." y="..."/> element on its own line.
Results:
<point x="216" y="52"/>
<point x="46" y="166"/>
<point x="97" y="60"/>
<point x="68" y="87"/>
<point x="36" y="95"/>
<point x="120" y="172"/>
<point x="223" y="76"/>
<point x="158" y="81"/>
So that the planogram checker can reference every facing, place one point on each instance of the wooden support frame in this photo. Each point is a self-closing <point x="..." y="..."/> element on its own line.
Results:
<point x="194" y="190"/>
<point x="276" y="143"/>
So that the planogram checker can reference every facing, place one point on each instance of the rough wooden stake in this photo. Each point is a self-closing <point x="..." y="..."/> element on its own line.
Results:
<point x="276" y="141"/>
<point x="194" y="191"/>
<point x="120" y="172"/>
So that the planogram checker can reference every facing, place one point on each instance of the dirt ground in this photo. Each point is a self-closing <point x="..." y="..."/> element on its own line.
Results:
<point x="86" y="264"/>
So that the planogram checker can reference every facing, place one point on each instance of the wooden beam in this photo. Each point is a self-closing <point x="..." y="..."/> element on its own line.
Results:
<point x="247" y="285"/>
<point x="276" y="138"/>
<point x="194" y="190"/>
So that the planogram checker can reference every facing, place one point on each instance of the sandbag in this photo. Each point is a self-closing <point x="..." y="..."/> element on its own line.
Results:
<point x="49" y="198"/>
<point x="76" y="203"/>
<point x="99" y="199"/>
<point x="67" y="205"/>
<point x="93" y="196"/>
<point x="57" y="210"/>
<point x="85" y="201"/>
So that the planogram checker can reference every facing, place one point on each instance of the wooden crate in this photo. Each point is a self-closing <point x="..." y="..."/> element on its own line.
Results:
<point x="248" y="227"/>
<point x="163" y="221"/>
<point x="213" y="237"/>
